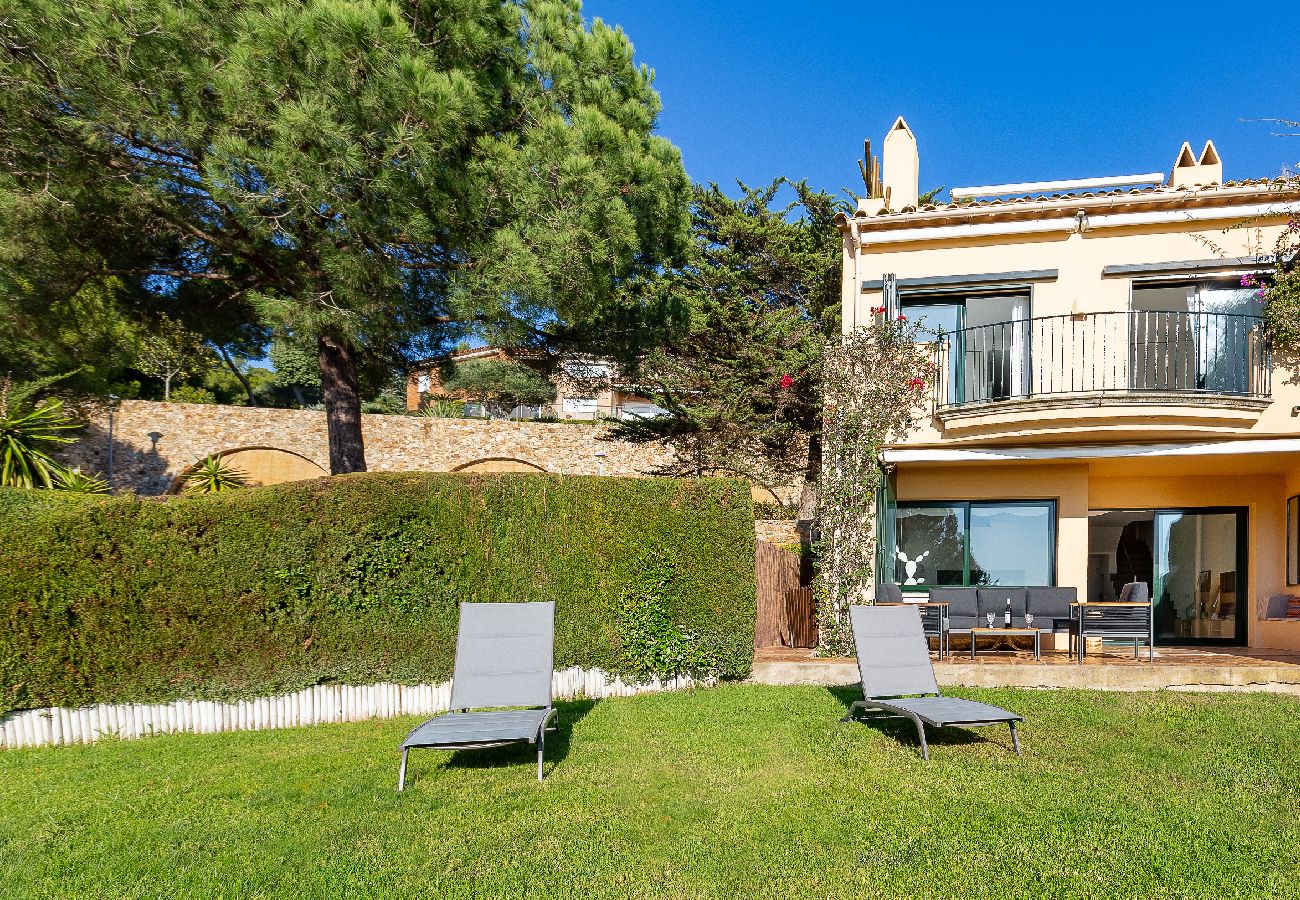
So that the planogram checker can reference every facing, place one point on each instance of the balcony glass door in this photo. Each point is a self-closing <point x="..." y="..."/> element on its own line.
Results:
<point x="984" y="342"/>
<point x="1227" y="330"/>
<point x="1192" y="337"/>
<point x="942" y="321"/>
<point x="996" y="347"/>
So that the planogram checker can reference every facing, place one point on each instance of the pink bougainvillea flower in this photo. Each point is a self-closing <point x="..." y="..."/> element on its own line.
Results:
<point x="878" y="310"/>
<point x="902" y="318"/>
<point x="787" y="382"/>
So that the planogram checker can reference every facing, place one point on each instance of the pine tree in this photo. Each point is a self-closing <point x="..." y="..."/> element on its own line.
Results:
<point x="754" y="307"/>
<point x="372" y="176"/>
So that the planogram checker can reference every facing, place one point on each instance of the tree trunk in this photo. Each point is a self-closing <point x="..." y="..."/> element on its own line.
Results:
<point x="230" y="363"/>
<point x="167" y="388"/>
<point x="338" y="379"/>
<point x="297" y="396"/>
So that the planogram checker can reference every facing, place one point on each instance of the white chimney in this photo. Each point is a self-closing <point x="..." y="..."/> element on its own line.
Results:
<point x="901" y="167"/>
<point x="1192" y="172"/>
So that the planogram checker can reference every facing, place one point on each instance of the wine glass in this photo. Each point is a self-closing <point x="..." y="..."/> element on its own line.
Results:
<point x="1029" y="620"/>
<point x="989" y="616"/>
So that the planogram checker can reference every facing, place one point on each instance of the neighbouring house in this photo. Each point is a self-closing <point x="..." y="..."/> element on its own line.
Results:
<point x="586" y="389"/>
<point x="1108" y="407"/>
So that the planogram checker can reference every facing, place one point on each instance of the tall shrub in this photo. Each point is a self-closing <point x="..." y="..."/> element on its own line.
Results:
<point x="351" y="579"/>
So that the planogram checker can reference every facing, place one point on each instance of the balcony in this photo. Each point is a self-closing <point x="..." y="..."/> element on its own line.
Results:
<point x="1194" y="365"/>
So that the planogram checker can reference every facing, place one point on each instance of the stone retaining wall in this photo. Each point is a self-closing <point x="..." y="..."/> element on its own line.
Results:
<point x="155" y="443"/>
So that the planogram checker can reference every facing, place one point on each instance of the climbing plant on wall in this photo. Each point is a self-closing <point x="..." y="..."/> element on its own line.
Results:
<point x="1279" y="290"/>
<point x="875" y="383"/>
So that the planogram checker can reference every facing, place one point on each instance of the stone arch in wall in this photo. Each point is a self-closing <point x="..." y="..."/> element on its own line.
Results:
<point x="498" y="464"/>
<point x="261" y="465"/>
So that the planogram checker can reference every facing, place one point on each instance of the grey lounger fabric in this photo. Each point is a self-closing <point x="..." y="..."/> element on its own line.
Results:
<point x="505" y="655"/>
<point x="894" y="662"/>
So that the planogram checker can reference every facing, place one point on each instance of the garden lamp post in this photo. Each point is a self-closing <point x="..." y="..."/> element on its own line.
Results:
<point x="112" y="407"/>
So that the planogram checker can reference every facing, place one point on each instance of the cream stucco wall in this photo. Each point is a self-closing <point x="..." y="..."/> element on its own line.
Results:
<point x="1077" y="488"/>
<point x="1078" y="288"/>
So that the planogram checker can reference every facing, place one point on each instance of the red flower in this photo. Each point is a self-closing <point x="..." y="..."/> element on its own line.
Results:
<point x="902" y="318"/>
<point x="878" y="310"/>
<point x="787" y="382"/>
<point x="916" y="384"/>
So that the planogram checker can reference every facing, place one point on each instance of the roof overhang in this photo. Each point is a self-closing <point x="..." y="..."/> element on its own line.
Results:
<point x="1083" y="453"/>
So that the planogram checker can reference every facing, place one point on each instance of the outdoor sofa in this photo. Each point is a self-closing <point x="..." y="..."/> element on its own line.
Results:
<point x="898" y="678"/>
<point x="956" y="610"/>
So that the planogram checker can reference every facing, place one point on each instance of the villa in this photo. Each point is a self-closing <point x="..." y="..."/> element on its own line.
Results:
<point x="1107" y="406"/>
<point x="585" y="388"/>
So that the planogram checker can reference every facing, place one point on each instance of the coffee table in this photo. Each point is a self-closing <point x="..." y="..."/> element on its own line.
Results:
<point x="1008" y="632"/>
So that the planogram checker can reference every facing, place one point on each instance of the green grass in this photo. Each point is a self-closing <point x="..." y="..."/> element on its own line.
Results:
<point x="737" y="791"/>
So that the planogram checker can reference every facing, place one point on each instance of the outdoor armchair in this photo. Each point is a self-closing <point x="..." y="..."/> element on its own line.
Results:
<point x="898" y="678"/>
<point x="934" y="613"/>
<point x="505" y="655"/>
<point x="1129" y="618"/>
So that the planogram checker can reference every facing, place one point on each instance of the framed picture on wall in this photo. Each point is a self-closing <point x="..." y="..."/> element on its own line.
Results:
<point x="1293" y="540"/>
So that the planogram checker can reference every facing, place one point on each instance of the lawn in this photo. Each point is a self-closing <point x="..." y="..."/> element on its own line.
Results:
<point x="736" y="791"/>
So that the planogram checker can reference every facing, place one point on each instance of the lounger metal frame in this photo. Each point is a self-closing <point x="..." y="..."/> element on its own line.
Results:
<point x="898" y="677"/>
<point x="505" y="655"/>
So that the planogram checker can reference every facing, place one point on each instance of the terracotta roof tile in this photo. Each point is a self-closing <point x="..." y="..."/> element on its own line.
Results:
<point x="1152" y="191"/>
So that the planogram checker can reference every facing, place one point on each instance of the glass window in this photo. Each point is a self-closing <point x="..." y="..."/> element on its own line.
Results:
<point x="959" y="543"/>
<point x="1011" y="543"/>
<point x="930" y="545"/>
<point x="987" y="342"/>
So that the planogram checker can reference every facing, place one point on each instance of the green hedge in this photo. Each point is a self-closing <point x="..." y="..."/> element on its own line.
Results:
<point x="353" y="579"/>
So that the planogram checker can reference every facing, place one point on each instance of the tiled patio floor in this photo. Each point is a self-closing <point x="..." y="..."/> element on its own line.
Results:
<point x="1110" y="656"/>
<point x="1112" y="668"/>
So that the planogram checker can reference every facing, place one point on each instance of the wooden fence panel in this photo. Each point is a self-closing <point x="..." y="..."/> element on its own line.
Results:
<point x="800" y="618"/>
<point x="776" y="571"/>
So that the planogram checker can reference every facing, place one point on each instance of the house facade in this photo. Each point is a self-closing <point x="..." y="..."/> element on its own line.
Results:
<point x="1107" y="407"/>
<point x="585" y="389"/>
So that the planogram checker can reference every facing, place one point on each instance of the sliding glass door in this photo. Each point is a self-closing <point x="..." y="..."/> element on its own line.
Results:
<point x="1192" y="337"/>
<point x="1193" y="560"/>
<point x="1200" y="575"/>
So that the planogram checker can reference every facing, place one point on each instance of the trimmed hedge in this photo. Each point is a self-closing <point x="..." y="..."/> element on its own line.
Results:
<point x="352" y="579"/>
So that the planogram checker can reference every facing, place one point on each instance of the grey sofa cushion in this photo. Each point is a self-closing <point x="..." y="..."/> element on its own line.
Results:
<point x="994" y="600"/>
<point x="1135" y="592"/>
<point x="961" y="601"/>
<point x="1277" y="606"/>
<point x="888" y="592"/>
<point x="964" y="623"/>
<point x="1050" y="604"/>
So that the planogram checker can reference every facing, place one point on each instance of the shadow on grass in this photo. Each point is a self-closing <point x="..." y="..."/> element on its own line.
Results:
<point x="904" y="731"/>
<point x="557" y="748"/>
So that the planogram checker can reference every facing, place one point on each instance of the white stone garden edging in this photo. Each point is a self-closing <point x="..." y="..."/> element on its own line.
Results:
<point x="56" y="726"/>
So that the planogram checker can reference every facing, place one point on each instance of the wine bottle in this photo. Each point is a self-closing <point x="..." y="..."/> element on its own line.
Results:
<point x="1006" y="618"/>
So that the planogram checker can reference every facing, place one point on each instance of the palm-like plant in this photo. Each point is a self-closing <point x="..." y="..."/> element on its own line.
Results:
<point x="74" y="481"/>
<point x="443" y="408"/>
<point x="213" y="475"/>
<point x="28" y="437"/>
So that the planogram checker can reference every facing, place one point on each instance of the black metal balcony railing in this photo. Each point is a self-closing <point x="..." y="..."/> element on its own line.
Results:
<point x="1196" y="353"/>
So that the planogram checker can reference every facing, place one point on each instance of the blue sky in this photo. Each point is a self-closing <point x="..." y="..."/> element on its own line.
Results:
<point x="995" y="93"/>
